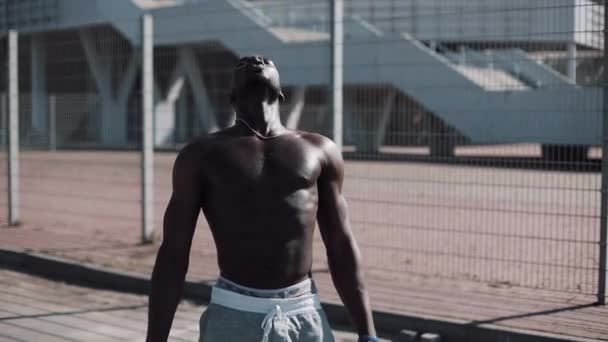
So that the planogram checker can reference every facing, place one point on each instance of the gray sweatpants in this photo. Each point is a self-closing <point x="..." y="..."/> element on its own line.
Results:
<point x="222" y="324"/>
<point x="227" y="323"/>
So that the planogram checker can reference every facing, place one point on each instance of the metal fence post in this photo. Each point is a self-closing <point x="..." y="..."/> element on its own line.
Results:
<point x="603" y="267"/>
<point x="147" y="164"/>
<point x="337" y="65"/>
<point x="13" y="128"/>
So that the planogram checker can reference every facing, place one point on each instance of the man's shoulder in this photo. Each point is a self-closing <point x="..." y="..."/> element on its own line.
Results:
<point x="331" y="155"/>
<point x="197" y="152"/>
<point x="205" y="142"/>
<point x="208" y="143"/>
<point x="317" y="140"/>
<point x="197" y="148"/>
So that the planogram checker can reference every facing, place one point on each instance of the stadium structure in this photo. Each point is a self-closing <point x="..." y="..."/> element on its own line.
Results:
<point x="416" y="72"/>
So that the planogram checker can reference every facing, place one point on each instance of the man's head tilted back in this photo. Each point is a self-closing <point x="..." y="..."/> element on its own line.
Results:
<point x="256" y="77"/>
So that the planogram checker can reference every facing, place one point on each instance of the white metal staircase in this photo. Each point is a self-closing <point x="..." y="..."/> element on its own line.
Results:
<point x="488" y="105"/>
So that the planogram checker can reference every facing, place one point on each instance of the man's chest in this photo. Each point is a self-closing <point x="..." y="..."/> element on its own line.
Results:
<point x="280" y="166"/>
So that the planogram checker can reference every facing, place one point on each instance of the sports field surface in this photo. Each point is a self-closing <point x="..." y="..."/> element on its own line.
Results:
<point x="513" y="247"/>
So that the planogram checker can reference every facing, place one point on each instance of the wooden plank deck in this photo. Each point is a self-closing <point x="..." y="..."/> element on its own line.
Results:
<point x="35" y="309"/>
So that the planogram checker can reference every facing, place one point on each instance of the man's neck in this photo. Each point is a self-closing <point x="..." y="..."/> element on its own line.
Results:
<point x="262" y="117"/>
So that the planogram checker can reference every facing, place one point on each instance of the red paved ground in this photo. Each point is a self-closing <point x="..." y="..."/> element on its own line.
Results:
<point x="449" y="241"/>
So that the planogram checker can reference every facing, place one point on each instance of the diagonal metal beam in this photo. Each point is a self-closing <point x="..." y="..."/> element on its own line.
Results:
<point x="201" y="101"/>
<point x="100" y="70"/>
<point x="387" y="109"/>
<point x="128" y="79"/>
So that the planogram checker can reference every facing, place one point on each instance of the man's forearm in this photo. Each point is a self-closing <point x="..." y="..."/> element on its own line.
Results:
<point x="165" y="293"/>
<point x="355" y="298"/>
<point x="348" y="280"/>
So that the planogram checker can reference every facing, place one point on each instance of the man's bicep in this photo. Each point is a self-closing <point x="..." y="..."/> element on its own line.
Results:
<point x="186" y="200"/>
<point x="332" y="211"/>
<point x="186" y="176"/>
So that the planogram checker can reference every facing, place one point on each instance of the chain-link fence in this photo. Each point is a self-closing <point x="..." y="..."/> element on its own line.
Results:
<point x="472" y="126"/>
<point x="472" y="129"/>
<point x="79" y="118"/>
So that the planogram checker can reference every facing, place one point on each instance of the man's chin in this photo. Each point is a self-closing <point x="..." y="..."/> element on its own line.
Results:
<point x="262" y="81"/>
<point x="258" y="77"/>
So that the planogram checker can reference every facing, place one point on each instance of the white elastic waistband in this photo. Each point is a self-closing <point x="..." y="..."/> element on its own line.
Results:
<point x="241" y="302"/>
<point x="306" y="283"/>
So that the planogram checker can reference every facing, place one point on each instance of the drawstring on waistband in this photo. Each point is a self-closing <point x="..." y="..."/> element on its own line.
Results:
<point x="276" y="310"/>
<point x="268" y="321"/>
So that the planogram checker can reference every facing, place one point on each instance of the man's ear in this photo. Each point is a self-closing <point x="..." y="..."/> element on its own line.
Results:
<point x="281" y="96"/>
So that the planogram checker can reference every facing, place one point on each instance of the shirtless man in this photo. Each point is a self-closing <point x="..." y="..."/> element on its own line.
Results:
<point x="261" y="187"/>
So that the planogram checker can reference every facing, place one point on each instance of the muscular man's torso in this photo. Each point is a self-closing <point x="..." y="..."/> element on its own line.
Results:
<point x="260" y="200"/>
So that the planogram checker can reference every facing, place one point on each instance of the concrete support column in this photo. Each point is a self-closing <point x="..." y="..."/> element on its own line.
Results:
<point x="489" y="59"/>
<point x="39" y="94"/>
<point x="572" y="61"/>
<point x="113" y="119"/>
<point x="372" y="126"/>
<point x="462" y="55"/>
<point x="181" y="118"/>
<point x="387" y="109"/>
<point x="165" y="112"/>
<point x="299" y="100"/>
